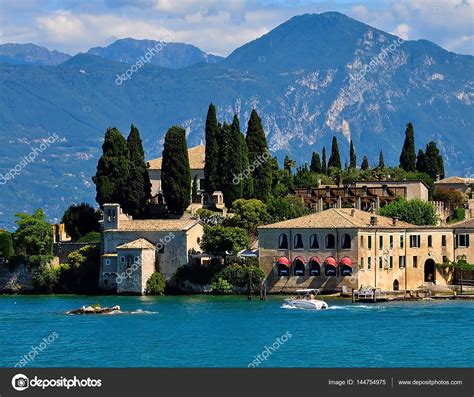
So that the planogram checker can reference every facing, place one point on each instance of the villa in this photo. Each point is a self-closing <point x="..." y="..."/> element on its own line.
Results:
<point x="348" y="248"/>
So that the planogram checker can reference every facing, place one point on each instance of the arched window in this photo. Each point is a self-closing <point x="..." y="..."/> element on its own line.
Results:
<point x="330" y="241"/>
<point x="346" y="242"/>
<point x="298" y="266"/>
<point x="330" y="266"/>
<point x="283" y="242"/>
<point x="298" y="243"/>
<point x="314" y="266"/>
<point x="283" y="266"/>
<point x="313" y="242"/>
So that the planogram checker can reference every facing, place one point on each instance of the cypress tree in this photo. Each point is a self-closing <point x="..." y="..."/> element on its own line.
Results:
<point x="138" y="188"/>
<point x="316" y="163"/>
<point x="259" y="157"/>
<point x="408" y="154"/>
<point x="175" y="172"/>
<point x="434" y="164"/>
<point x="211" y="165"/>
<point x="113" y="167"/>
<point x="247" y="180"/>
<point x="381" y="160"/>
<point x="365" y="163"/>
<point x="335" y="159"/>
<point x="232" y="186"/>
<point x="421" y="161"/>
<point x="223" y="141"/>
<point x="194" y="187"/>
<point x="352" y="157"/>
<point x="324" y="167"/>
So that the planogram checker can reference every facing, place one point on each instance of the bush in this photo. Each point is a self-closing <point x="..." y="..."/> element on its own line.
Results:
<point x="156" y="284"/>
<point x="238" y="276"/>
<point x="195" y="274"/>
<point x="458" y="216"/>
<point x="209" y="217"/>
<point x="6" y="245"/>
<point x="286" y="208"/>
<point x="81" y="275"/>
<point x="221" y="286"/>
<point x="91" y="237"/>
<point x="416" y="211"/>
<point x="453" y="198"/>
<point x="46" y="279"/>
<point x="39" y="261"/>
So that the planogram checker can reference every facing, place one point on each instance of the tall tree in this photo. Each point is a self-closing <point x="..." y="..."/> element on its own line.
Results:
<point x="408" y="154"/>
<point x="352" y="157"/>
<point x="112" y="169"/>
<point x="365" y="163"/>
<point x="211" y="165"/>
<point x="335" y="159"/>
<point x="34" y="236"/>
<point x="434" y="164"/>
<point x="421" y="161"/>
<point x="381" y="160"/>
<point x="80" y="219"/>
<point x="259" y="157"/>
<point x="138" y="189"/>
<point x="233" y="183"/>
<point x="324" y="167"/>
<point x="223" y="141"/>
<point x="288" y="164"/>
<point x="316" y="166"/>
<point x="175" y="172"/>
<point x="247" y="180"/>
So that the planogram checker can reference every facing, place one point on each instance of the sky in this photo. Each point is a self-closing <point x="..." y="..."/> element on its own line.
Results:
<point x="220" y="26"/>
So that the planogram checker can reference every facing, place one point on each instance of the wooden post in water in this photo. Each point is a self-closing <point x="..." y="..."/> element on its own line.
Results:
<point x="375" y="296"/>
<point x="353" y="295"/>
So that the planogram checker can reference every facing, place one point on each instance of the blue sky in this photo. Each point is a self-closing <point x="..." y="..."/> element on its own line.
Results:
<point x="220" y="26"/>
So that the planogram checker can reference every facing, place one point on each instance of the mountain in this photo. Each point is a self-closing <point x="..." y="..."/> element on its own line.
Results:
<point x="166" y="54"/>
<point x="304" y="77"/>
<point x="17" y="54"/>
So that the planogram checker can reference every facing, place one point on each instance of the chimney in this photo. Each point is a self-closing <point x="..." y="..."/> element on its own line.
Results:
<point x="394" y="221"/>
<point x="353" y="212"/>
<point x="373" y="221"/>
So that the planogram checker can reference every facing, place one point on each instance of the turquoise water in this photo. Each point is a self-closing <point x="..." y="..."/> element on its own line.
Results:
<point x="200" y="331"/>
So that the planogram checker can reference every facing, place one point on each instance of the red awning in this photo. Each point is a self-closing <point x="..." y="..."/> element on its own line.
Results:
<point x="346" y="261"/>
<point x="299" y="258"/>
<point x="330" y="260"/>
<point x="283" y="261"/>
<point x="315" y="259"/>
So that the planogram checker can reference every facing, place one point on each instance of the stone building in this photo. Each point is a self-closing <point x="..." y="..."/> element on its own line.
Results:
<point x="131" y="250"/>
<point x="351" y="248"/>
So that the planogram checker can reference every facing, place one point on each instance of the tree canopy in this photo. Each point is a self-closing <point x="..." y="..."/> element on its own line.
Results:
<point x="416" y="211"/>
<point x="80" y="219"/>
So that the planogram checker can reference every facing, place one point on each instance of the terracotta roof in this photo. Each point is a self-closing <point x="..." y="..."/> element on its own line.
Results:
<point x="337" y="218"/>
<point x="140" y="243"/>
<point x="466" y="224"/>
<point x="197" y="158"/>
<point x="454" y="179"/>
<point x="109" y="254"/>
<point x="157" y="225"/>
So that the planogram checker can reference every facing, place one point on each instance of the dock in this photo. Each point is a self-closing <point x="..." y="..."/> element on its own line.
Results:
<point x="374" y="295"/>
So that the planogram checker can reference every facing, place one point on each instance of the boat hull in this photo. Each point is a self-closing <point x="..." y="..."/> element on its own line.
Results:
<point x="307" y="304"/>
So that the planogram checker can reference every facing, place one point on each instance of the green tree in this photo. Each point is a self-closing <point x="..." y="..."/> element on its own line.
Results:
<point x="233" y="182"/>
<point x="249" y="214"/>
<point x="81" y="276"/>
<point x="6" y="245"/>
<point x="421" y="161"/>
<point x="211" y="166"/>
<point x="175" y="172"/>
<point x="156" y="284"/>
<point x="288" y="164"/>
<point x="335" y="159"/>
<point x="408" y="154"/>
<point x="324" y="166"/>
<point x="34" y="236"/>
<point x="194" y="187"/>
<point x="258" y="157"/>
<point x="283" y="208"/>
<point x="381" y="160"/>
<point x="220" y="240"/>
<point x="112" y="169"/>
<point x="80" y="219"/>
<point x="247" y="180"/>
<point x="416" y="212"/>
<point x="137" y="191"/>
<point x="365" y="164"/>
<point x="434" y="164"/>
<point x="352" y="157"/>
<point x="304" y="178"/>
<point x="452" y="198"/>
<point x="316" y="166"/>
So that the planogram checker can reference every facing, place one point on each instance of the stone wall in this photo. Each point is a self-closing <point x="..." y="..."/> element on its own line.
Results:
<point x="63" y="249"/>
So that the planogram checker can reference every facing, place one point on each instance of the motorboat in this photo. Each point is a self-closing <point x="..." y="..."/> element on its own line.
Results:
<point x="306" y="299"/>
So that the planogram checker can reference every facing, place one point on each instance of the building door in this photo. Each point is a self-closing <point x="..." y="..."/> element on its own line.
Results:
<point x="430" y="271"/>
<point x="396" y="285"/>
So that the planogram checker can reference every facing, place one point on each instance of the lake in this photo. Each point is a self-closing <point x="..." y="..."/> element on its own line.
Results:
<point x="212" y="331"/>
